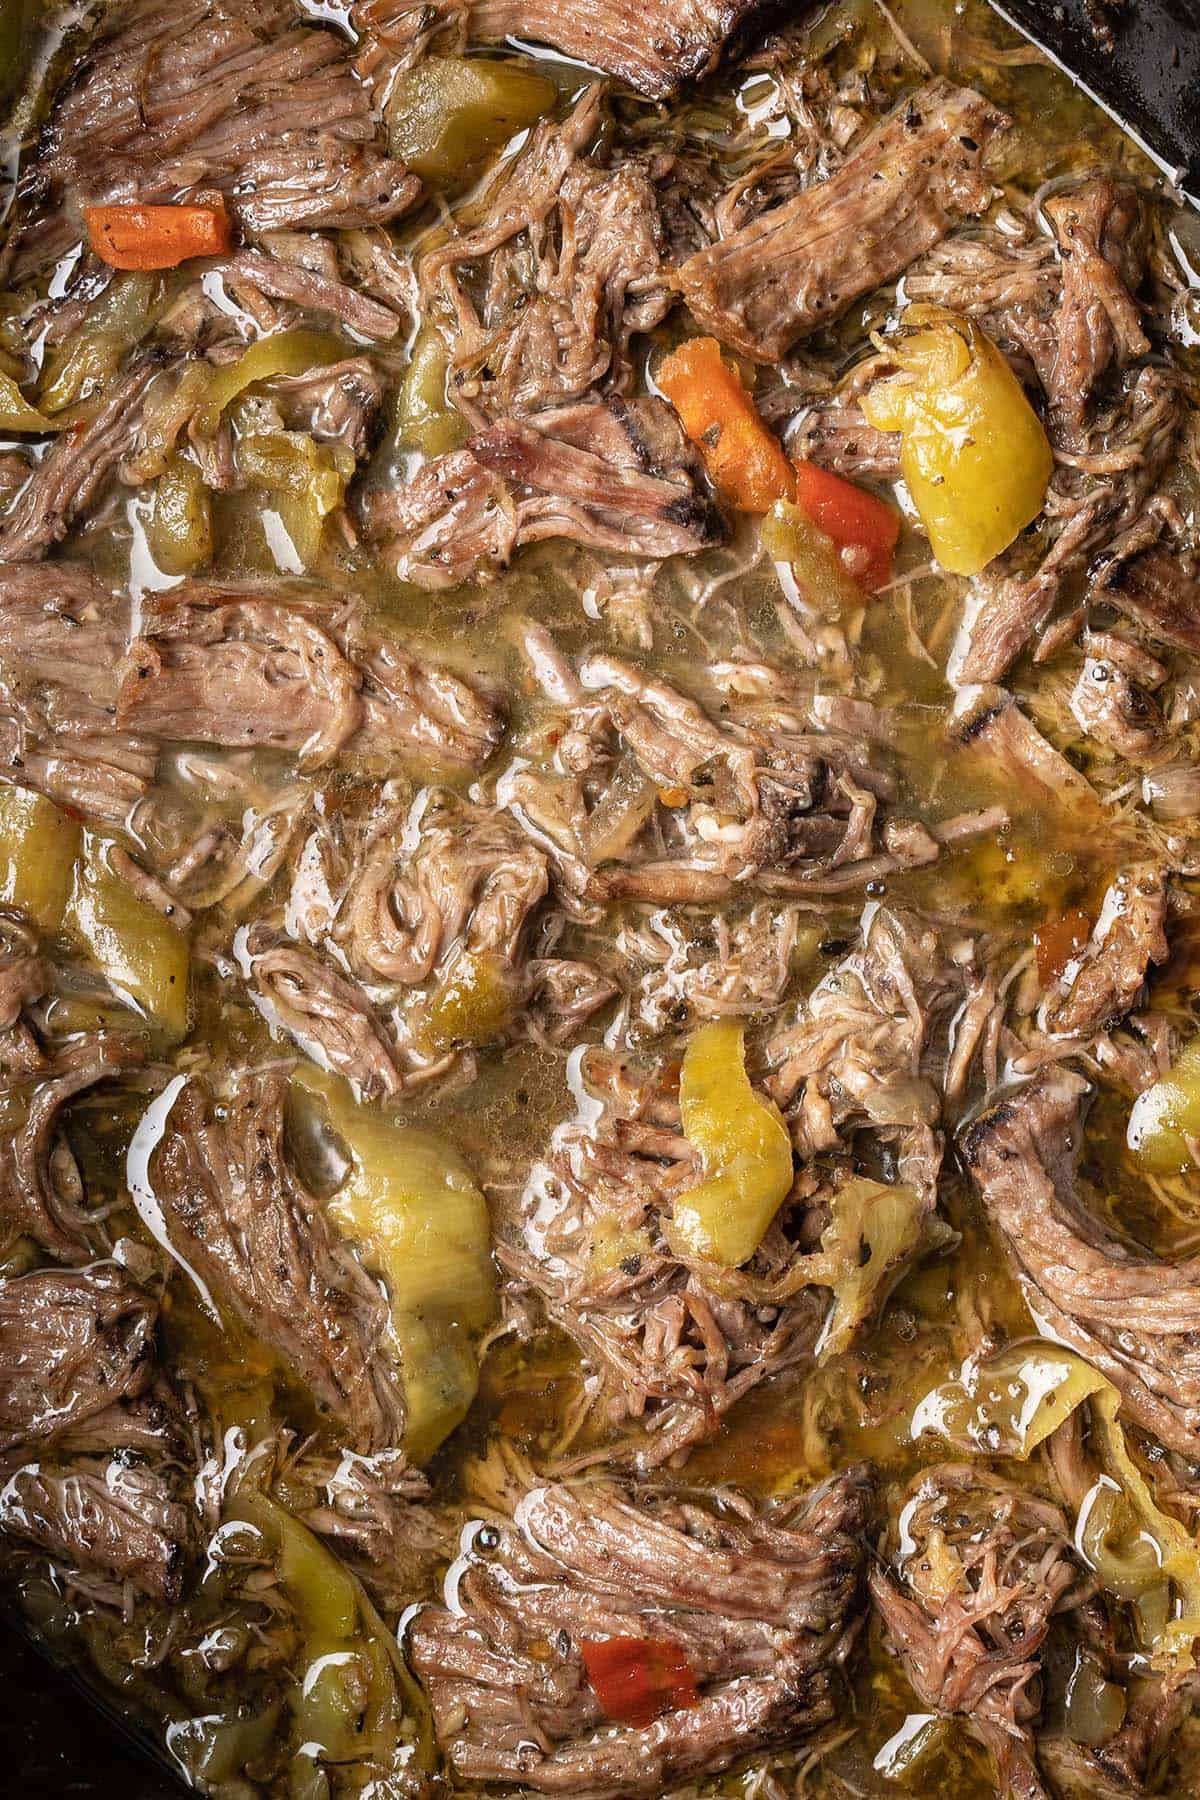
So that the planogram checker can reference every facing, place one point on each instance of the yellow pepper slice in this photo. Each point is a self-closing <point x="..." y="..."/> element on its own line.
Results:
<point x="413" y="1208"/>
<point x="1164" y="1124"/>
<point x="140" y="953"/>
<point x="306" y="480"/>
<point x="873" y="1231"/>
<point x="973" y="452"/>
<point x="450" y="112"/>
<point x="472" y="1006"/>
<point x="743" y="1144"/>
<point x="16" y="413"/>
<point x="179" y="531"/>
<point x="348" y="1687"/>
<point x="38" y="848"/>
<point x="425" y="420"/>
<point x="1009" y="1403"/>
<point x="285" y="353"/>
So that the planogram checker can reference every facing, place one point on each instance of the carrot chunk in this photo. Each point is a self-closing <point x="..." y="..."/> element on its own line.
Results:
<point x="156" y="237"/>
<point x="637" y="1679"/>
<point x="746" y="463"/>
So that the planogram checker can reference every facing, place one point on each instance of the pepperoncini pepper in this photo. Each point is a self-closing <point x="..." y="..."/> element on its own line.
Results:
<point x="39" y="845"/>
<point x="1164" y="1126"/>
<point x="414" y="1210"/>
<point x="973" y="453"/>
<point x="450" y="112"/>
<point x="744" y="1146"/>
<point x="180" y="525"/>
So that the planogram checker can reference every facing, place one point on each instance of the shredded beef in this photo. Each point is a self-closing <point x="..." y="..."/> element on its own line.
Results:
<point x="782" y="792"/>
<point x="760" y="1600"/>
<point x="175" y="100"/>
<point x="672" y="1348"/>
<point x="1103" y="492"/>
<point x="654" y="47"/>
<point x="238" y="1214"/>
<point x="1158" y="593"/>
<point x="804" y="263"/>
<point x="1135" y="1317"/>
<point x="568" y="280"/>
<point x="611" y="476"/>
<point x="74" y="470"/>
<point x="111" y="1519"/>
<point x="1129" y="936"/>
<point x="243" y="671"/>
<point x="40" y="1188"/>
<point x="982" y="1567"/>
<point x="411" y="901"/>
<point x="1101" y="231"/>
<point x="270" y="667"/>
<point x="313" y="289"/>
<point x="77" y="1361"/>
<point x="870" y="1045"/>
<point x="327" y="1014"/>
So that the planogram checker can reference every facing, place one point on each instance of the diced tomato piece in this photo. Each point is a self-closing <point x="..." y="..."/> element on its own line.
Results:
<point x="745" y="461"/>
<point x="638" y="1679"/>
<point x="858" y="522"/>
<point x="1058" y="941"/>
<point x="156" y="237"/>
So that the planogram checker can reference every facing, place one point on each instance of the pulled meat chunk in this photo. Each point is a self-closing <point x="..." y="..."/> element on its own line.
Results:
<point x="758" y="1601"/>
<point x="1128" y="937"/>
<point x="40" y="1188"/>
<point x="240" y="672"/>
<point x="605" y="474"/>
<point x="176" y="100"/>
<point x="983" y="1567"/>
<point x="90" y="1433"/>
<point x="271" y="667"/>
<point x="238" y="1214"/>
<point x="548" y="289"/>
<point x="61" y="643"/>
<point x="327" y="1015"/>
<point x="75" y="1347"/>
<point x="655" y="794"/>
<point x="452" y="924"/>
<point x="804" y="263"/>
<point x="1101" y="492"/>
<point x="1101" y="233"/>
<point x="1160" y="594"/>
<point x="1135" y="1317"/>
<point x="870" y="1046"/>
<point x="654" y="48"/>
<point x="119" y="1524"/>
<point x="75" y="468"/>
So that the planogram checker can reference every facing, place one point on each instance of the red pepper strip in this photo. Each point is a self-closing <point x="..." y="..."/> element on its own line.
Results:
<point x="156" y="237"/>
<point x="1058" y="942"/>
<point x="858" y="522"/>
<point x="637" y="1679"/>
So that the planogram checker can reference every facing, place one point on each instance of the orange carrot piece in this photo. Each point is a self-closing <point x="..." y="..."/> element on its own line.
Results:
<point x="156" y="237"/>
<point x="746" y="463"/>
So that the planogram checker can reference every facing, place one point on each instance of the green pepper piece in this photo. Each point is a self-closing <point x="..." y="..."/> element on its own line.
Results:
<point x="450" y="112"/>
<point x="179" y="531"/>
<point x="38" y="848"/>
<point x="744" y="1146"/>
<point x="425" y="420"/>
<point x="140" y="953"/>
